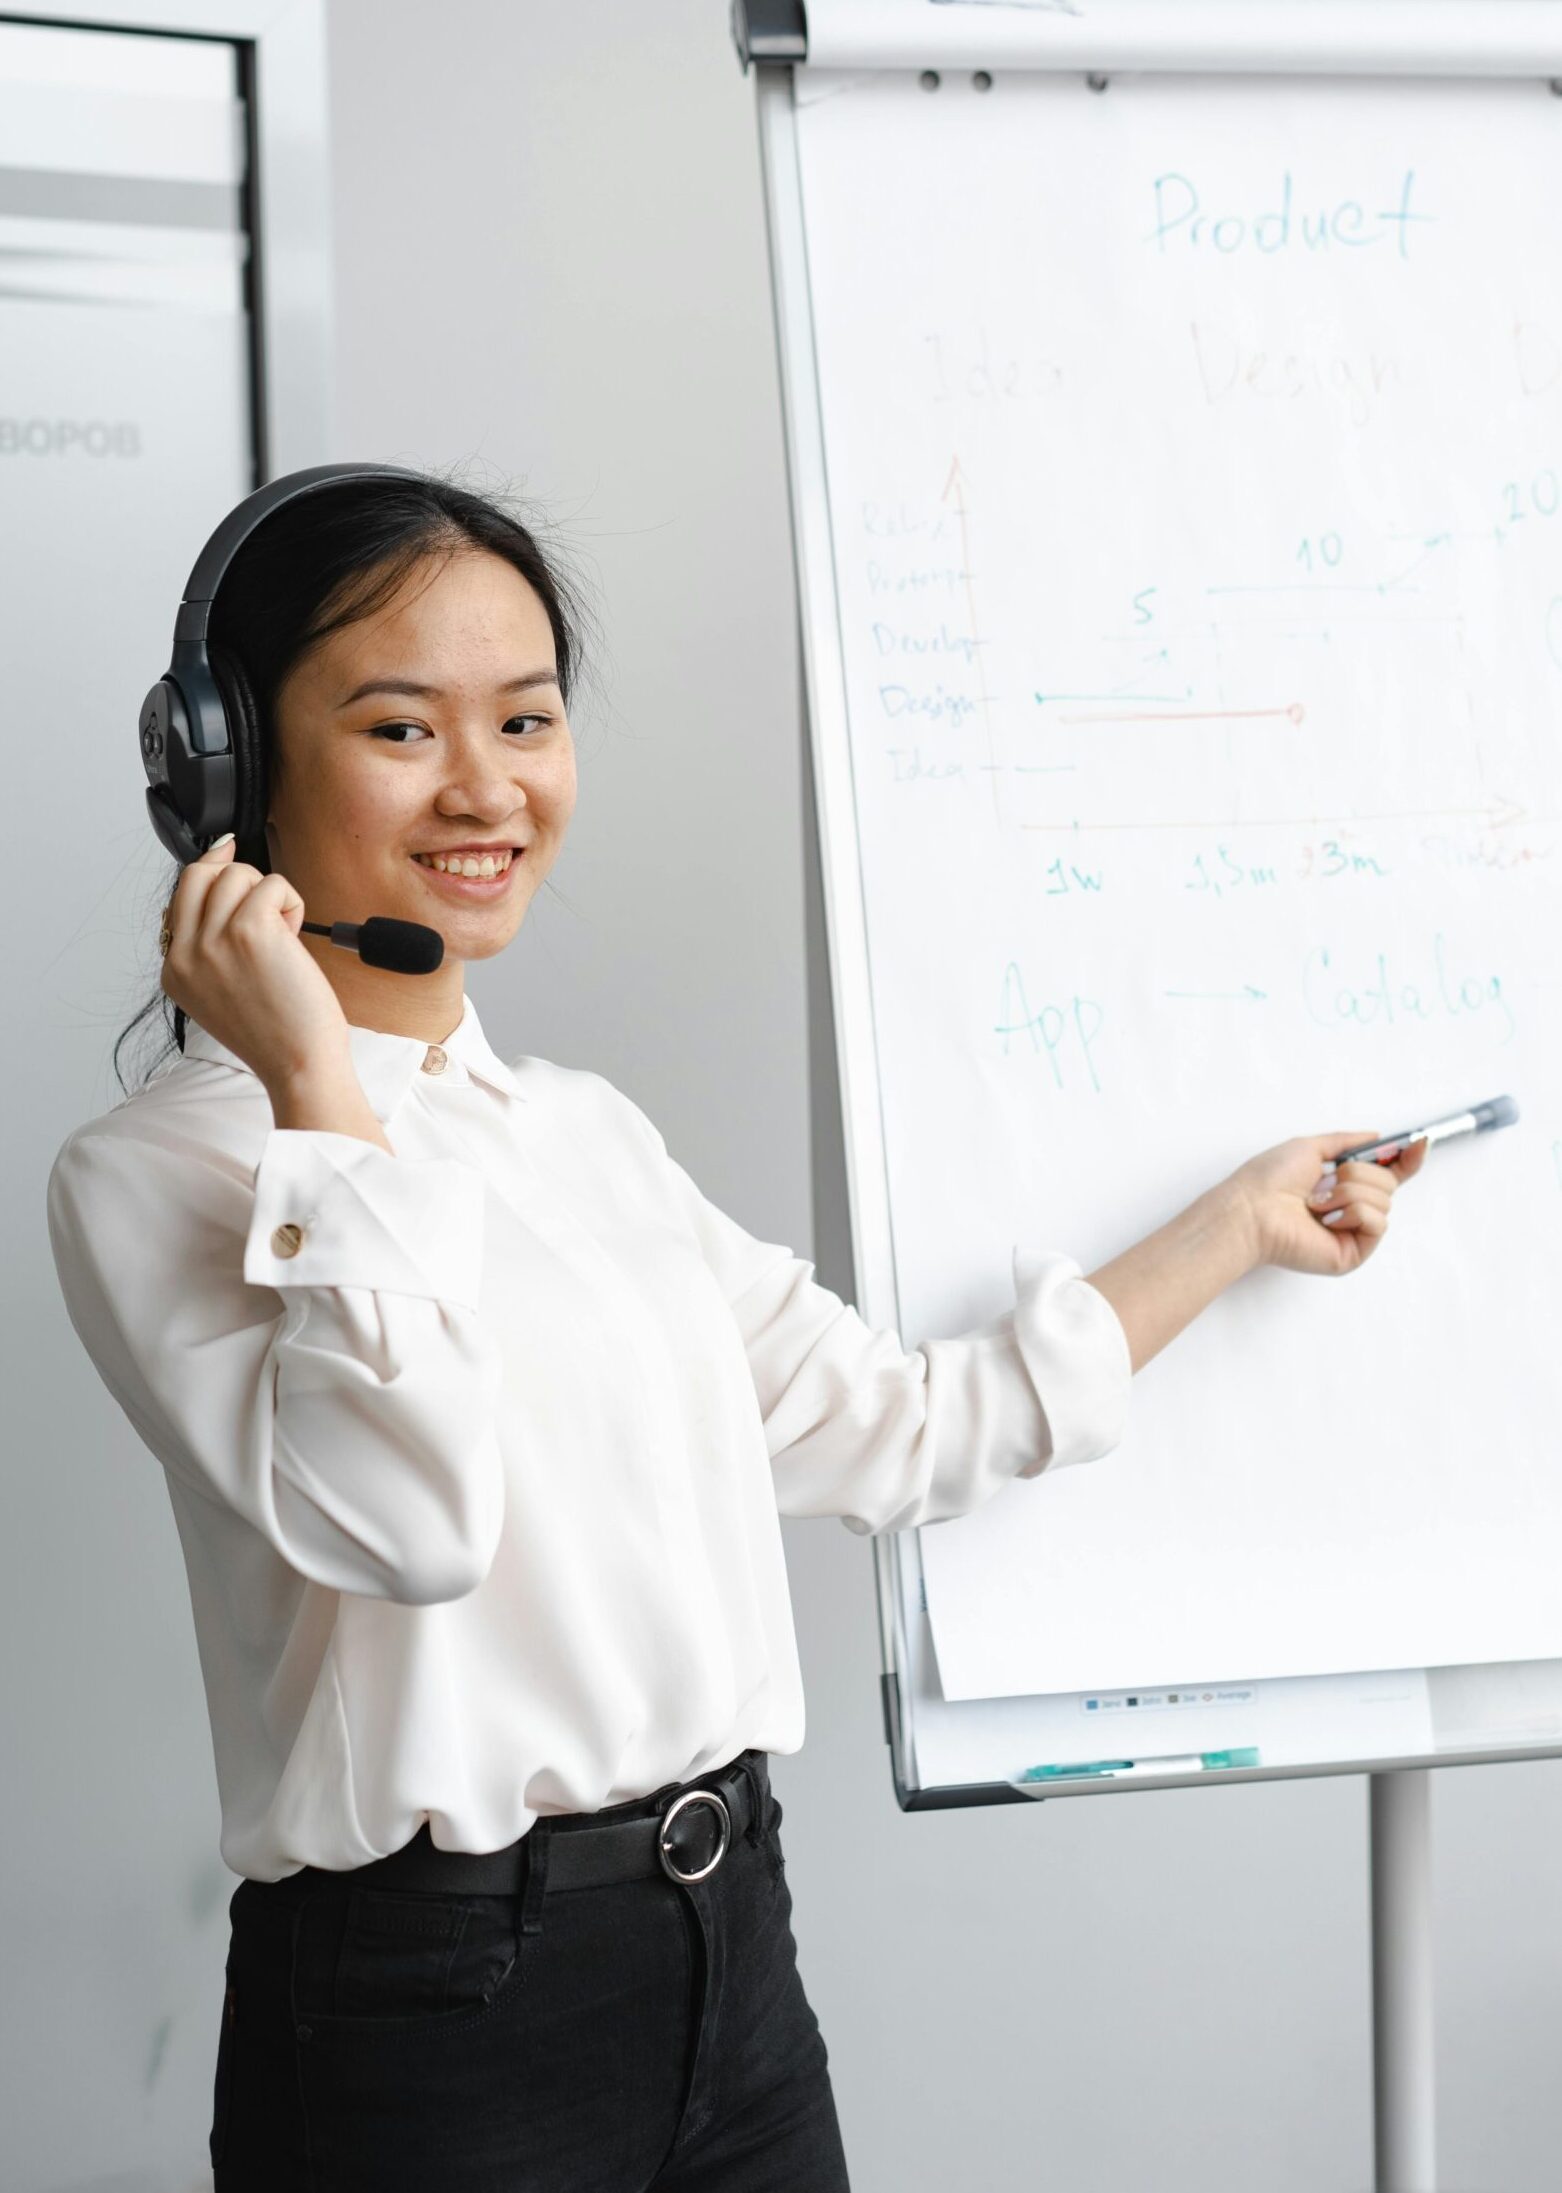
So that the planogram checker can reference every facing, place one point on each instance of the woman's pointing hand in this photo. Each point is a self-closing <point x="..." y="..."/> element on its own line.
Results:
<point x="1309" y="1214"/>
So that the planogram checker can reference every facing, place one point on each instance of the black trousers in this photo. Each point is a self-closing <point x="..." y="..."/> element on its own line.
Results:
<point x="649" y="2037"/>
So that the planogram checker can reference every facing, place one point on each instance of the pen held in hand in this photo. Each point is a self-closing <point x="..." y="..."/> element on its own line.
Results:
<point x="1500" y="1111"/>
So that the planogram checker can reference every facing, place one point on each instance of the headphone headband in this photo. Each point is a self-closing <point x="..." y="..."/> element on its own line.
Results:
<point x="200" y="588"/>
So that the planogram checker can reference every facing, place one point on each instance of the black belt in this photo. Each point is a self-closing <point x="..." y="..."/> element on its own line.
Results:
<point x="683" y="1830"/>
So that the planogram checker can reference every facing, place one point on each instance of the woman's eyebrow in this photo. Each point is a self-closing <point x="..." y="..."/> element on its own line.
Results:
<point x="409" y="688"/>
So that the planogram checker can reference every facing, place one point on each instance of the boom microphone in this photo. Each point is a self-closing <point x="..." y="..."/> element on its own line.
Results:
<point x="405" y="947"/>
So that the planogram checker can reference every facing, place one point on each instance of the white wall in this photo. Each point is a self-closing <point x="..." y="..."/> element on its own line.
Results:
<point x="551" y="252"/>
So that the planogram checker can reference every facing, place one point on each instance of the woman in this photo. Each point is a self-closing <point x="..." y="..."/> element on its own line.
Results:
<point x="477" y="1418"/>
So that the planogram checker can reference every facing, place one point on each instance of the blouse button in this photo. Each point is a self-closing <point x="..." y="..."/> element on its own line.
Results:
<point x="435" y="1059"/>
<point x="287" y="1240"/>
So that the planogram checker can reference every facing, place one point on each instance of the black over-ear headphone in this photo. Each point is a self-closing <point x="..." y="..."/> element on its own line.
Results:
<point x="200" y="727"/>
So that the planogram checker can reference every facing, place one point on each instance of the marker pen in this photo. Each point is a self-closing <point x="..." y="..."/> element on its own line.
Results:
<point x="1495" y="1112"/>
<point x="1189" y="1762"/>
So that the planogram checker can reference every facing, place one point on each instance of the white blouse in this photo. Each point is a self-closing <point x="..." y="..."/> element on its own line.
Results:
<point x="476" y="1451"/>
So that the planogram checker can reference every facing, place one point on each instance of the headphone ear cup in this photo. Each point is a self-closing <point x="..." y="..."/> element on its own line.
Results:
<point x="251" y="797"/>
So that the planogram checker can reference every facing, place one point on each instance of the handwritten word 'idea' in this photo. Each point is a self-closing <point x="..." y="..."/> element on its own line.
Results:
<point x="1181" y="222"/>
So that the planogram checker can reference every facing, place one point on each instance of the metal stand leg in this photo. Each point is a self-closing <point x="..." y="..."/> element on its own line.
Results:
<point x="1400" y="1805"/>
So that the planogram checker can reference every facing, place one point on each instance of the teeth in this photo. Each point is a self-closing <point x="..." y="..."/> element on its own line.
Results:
<point x="465" y="864"/>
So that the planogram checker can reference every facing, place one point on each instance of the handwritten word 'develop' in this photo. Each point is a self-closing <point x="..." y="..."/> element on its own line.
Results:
<point x="890" y="640"/>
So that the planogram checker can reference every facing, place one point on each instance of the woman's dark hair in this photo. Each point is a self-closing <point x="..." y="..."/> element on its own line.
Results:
<point x="326" y="560"/>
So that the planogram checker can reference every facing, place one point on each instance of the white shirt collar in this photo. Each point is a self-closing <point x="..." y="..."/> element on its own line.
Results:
<point x="386" y="1064"/>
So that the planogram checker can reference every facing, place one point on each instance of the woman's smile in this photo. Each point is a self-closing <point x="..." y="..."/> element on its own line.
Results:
<point x="464" y="886"/>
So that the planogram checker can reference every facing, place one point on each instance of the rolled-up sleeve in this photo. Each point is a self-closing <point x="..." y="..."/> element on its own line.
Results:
<point x="887" y="1438"/>
<point x="301" y="1342"/>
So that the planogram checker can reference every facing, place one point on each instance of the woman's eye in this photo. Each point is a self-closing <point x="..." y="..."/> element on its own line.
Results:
<point x="388" y="731"/>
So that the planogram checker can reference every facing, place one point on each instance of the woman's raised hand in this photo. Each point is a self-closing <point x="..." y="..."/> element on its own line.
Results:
<point x="1293" y="1192"/>
<point x="236" y="964"/>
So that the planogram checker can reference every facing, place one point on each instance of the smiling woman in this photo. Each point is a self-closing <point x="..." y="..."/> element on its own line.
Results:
<point x="411" y="653"/>
<point x="478" y="1420"/>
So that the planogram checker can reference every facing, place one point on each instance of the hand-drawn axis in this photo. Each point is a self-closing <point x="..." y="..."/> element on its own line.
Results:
<point x="953" y="491"/>
<point x="1495" y="818"/>
<point x="1293" y="713"/>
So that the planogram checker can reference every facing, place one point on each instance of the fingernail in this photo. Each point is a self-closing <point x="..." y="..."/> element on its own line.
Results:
<point x="219" y="841"/>
<point x="1325" y="1182"/>
<point x="1320" y="1195"/>
<point x="1332" y="1218"/>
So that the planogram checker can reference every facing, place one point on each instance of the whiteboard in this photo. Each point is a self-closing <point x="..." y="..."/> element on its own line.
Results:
<point x="1178" y="477"/>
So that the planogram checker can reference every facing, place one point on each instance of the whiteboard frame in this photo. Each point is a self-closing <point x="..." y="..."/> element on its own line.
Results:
<point x="1335" y="37"/>
<point x="1520" y="38"/>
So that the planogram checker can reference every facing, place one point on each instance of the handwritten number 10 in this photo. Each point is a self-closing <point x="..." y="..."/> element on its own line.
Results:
<point x="1544" y="497"/>
<point x="1326" y="550"/>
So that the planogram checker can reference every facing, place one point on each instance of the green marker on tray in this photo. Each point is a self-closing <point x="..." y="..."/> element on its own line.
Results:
<point x="1105" y="1770"/>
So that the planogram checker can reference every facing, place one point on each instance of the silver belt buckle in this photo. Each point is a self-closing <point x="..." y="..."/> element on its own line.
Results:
<point x="693" y="1797"/>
